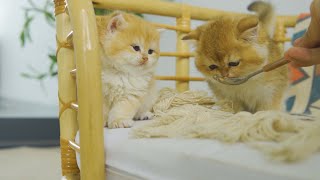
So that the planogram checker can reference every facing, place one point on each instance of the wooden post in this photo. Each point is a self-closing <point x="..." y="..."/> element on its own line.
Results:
<point x="182" y="63"/>
<point x="280" y="34"/>
<point x="67" y="92"/>
<point x="89" y="89"/>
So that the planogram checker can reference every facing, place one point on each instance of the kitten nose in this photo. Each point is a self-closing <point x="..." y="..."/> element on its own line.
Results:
<point x="145" y="58"/>
<point x="225" y="73"/>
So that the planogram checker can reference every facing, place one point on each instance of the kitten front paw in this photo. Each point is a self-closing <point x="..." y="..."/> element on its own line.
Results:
<point x="144" y="116"/>
<point x="121" y="123"/>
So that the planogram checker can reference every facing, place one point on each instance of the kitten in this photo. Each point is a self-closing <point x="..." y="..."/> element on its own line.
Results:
<point x="130" y="51"/>
<point x="234" y="46"/>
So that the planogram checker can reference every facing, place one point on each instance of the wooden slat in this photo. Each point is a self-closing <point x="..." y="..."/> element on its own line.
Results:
<point x="182" y="62"/>
<point x="89" y="87"/>
<point x="163" y="8"/>
<point x="175" y="78"/>
<point x="282" y="40"/>
<point x="177" y="54"/>
<point x="74" y="146"/>
<point x="153" y="7"/>
<point x="171" y="27"/>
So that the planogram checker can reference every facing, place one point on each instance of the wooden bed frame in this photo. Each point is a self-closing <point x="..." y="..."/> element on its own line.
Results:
<point x="80" y="94"/>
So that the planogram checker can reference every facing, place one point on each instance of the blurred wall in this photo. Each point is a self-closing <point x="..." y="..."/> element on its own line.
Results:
<point x="14" y="59"/>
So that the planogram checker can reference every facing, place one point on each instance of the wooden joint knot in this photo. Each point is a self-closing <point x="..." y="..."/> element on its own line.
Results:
<point x="68" y="43"/>
<point x="65" y="105"/>
<point x="60" y="6"/>
<point x="68" y="158"/>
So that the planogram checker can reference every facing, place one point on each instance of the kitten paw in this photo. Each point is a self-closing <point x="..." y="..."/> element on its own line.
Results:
<point x="144" y="116"/>
<point x="121" y="123"/>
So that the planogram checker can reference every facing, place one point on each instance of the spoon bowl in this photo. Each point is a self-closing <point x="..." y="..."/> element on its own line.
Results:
<point x="230" y="81"/>
<point x="235" y="80"/>
<point x="241" y="80"/>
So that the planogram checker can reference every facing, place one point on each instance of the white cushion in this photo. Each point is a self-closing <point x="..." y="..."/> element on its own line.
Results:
<point x="159" y="159"/>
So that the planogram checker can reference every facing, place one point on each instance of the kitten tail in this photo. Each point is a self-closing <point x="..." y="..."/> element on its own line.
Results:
<point x="266" y="14"/>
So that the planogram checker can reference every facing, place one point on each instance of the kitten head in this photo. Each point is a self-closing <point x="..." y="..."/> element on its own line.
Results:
<point x="129" y="43"/>
<point x="230" y="46"/>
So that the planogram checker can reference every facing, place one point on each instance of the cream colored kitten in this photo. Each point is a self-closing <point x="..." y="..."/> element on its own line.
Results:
<point x="234" y="46"/>
<point x="130" y="50"/>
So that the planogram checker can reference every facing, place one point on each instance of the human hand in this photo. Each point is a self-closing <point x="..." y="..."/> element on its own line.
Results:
<point x="306" y="50"/>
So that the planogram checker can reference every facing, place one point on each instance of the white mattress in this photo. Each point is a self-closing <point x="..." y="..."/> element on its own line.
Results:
<point x="190" y="159"/>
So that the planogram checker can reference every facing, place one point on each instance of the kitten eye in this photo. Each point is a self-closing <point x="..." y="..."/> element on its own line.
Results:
<point x="150" y="51"/>
<point x="213" y="67"/>
<point x="234" y="63"/>
<point x="135" y="47"/>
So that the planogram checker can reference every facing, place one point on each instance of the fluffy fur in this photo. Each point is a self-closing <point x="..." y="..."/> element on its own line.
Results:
<point x="130" y="50"/>
<point x="234" y="46"/>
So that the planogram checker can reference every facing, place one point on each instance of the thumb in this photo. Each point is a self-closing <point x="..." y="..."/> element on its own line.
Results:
<point x="303" y="57"/>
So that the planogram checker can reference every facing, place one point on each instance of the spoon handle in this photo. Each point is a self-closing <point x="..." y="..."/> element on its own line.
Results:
<point x="275" y="65"/>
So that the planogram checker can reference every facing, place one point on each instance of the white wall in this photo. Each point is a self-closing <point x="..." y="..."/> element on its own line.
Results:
<point x="14" y="59"/>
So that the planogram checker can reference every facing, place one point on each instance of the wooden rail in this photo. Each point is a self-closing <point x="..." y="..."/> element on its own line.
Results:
<point x="177" y="78"/>
<point x="172" y="9"/>
<point x="67" y="92"/>
<point x="177" y="54"/>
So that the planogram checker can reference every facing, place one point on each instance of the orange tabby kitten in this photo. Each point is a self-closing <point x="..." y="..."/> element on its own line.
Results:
<point x="234" y="46"/>
<point x="130" y="50"/>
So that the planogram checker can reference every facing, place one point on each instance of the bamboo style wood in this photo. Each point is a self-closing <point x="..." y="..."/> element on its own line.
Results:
<point x="172" y="9"/>
<point x="182" y="63"/>
<point x="89" y="89"/>
<point x="74" y="146"/>
<point x="175" y="28"/>
<point x="282" y="39"/>
<point x="74" y="106"/>
<point x="67" y="91"/>
<point x="177" y="54"/>
<point x="60" y="7"/>
<point x="68" y="161"/>
<point x="280" y="34"/>
<point x="176" y="78"/>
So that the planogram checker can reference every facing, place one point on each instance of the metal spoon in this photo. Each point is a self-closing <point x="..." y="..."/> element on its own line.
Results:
<point x="241" y="80"/>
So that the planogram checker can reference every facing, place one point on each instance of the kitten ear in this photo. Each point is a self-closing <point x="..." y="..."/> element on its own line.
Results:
<point x="117" y="22"/>
<point x="193" y="35"/>
<point x="248" y="28"/>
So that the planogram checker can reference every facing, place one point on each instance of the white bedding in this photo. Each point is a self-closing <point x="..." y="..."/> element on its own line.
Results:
<point x="193" y="159"/>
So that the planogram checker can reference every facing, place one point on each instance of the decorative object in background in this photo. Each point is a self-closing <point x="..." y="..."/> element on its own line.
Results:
<point x="304" y="92"/>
